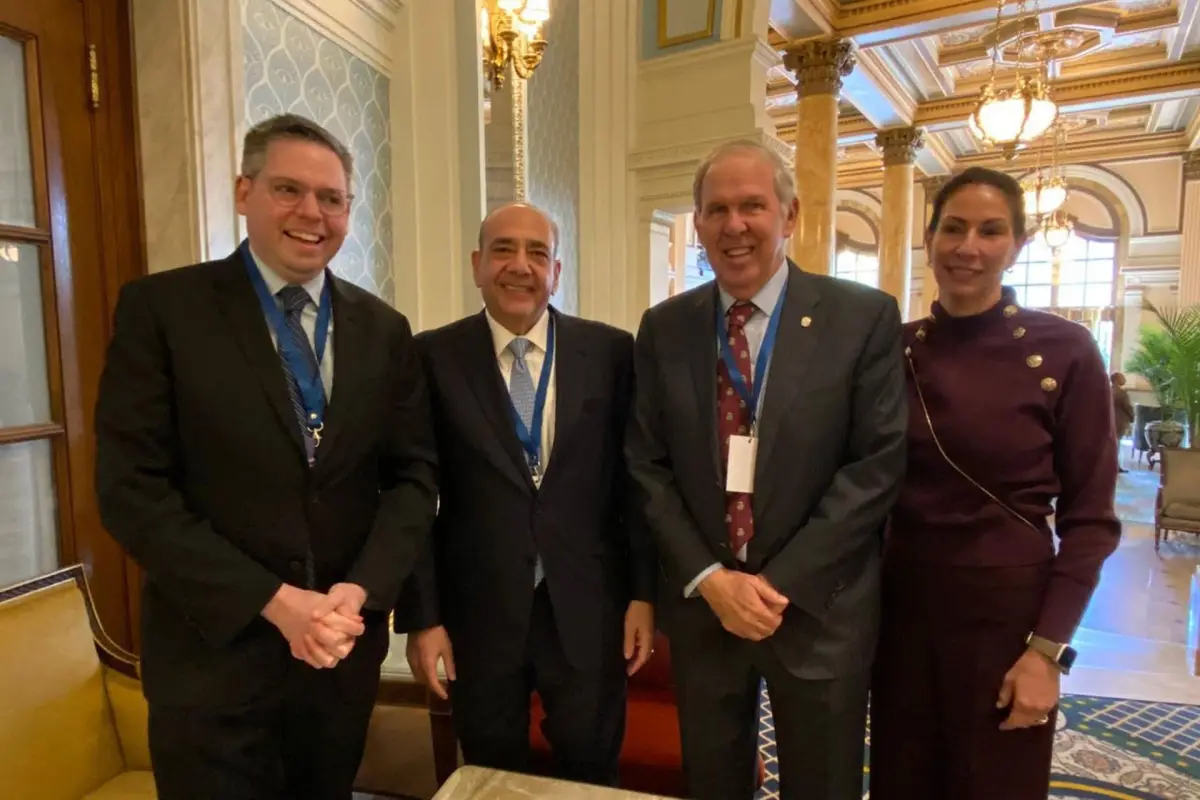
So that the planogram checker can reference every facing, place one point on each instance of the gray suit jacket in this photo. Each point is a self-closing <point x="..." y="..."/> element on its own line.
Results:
<point x="831" y="457"/>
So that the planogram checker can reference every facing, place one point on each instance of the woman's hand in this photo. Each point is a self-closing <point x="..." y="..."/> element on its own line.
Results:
<point x="1032" y="688"/>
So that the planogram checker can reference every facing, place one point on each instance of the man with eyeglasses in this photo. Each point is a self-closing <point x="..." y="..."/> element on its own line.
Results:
<point x="274" y="514"/>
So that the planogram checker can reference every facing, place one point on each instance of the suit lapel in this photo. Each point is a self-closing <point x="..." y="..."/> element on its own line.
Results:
<point x="703" y="363"/>
<point x="349" y="343"/>
<point x="795" y="345"/>
<point x="240" y="306"/>
<point x="482" y="374"/>
<point x="570" y="382"/>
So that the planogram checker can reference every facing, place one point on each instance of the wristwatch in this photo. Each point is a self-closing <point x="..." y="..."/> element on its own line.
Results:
<point x="1061" y="655"/>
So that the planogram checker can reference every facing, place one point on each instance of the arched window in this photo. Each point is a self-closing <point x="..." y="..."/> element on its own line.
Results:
<point x="1079" y="283"/>
<point x="856" y="265"/>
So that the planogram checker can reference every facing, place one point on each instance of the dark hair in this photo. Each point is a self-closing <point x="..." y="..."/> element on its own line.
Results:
<point x="288" y="126"/>
<point x="1007" y="185"/>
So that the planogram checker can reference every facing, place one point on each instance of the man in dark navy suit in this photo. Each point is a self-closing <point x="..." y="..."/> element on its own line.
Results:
<point x="539" y="576"/>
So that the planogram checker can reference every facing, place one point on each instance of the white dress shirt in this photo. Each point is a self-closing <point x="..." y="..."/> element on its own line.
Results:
<point x="756" y="330"/>
<point x="535" y="359"/>
<point x="308" y="317"/>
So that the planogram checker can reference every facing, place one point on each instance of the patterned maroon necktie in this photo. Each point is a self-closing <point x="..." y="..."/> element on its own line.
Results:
<point x="733" y="418"/>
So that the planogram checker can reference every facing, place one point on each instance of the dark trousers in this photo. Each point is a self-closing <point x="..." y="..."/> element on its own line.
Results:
<point x="820" y="725"/>
<point x="949" y="636"/>
<point x="585" y="708"/>
<point x="301" y="739"/>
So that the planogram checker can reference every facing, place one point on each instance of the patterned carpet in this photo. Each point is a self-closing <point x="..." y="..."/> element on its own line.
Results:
<point x="1110" y="749"/>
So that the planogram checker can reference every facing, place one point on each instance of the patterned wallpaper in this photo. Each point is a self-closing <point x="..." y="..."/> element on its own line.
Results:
<point x="553" y="119"/>
<point x="290" y="67"/>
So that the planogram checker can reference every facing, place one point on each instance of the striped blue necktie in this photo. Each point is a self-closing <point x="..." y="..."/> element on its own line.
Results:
<point x="520" y="388"/>
<point x="295" y="299"/>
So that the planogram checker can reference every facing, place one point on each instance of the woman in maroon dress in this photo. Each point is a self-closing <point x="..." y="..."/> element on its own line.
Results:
<point x="1009" y="423"/>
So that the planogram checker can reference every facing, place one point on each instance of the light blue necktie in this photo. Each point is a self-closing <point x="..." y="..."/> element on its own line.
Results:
<point x="520" y="388"/>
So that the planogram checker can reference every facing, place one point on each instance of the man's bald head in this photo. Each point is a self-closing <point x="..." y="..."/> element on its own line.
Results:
<point x="529" y="206"/>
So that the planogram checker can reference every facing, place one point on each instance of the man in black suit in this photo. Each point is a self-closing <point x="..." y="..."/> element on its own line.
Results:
<point x="538" y="574"/>
<point x="769" y="443"/>
<point x="275" y="503"/>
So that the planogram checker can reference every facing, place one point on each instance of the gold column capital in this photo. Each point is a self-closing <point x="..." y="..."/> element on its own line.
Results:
<point x="820" y="65"/>
<point x="900" y="145"/>
<point x="1191" y="165"/>
<point x="932" y="184"/>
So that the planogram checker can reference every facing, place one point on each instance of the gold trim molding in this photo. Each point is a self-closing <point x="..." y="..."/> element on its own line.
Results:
<point x="1191" y="165"/>
<point x="684" y="38"/>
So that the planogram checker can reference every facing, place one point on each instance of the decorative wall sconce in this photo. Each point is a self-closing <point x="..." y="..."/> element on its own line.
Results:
<point x="511" y="31"/>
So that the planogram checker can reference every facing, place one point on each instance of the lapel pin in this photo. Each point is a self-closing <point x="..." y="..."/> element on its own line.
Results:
<point x="805" y="322"/>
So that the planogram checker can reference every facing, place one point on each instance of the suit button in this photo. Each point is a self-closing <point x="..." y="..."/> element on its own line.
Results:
<point x="296" y="565"/>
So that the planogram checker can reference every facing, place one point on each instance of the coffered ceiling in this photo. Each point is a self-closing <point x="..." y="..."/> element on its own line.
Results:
<point x="1125" y="74"/>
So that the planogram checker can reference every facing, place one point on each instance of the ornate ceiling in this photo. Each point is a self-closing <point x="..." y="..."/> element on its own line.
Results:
<point x="1126" y="74"/>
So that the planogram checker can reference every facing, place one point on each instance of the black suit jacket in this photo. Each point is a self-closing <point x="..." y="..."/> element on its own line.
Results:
<point x="477" y="579"/>
<point x="831" y="456"/>
<point x="201" y="473"/>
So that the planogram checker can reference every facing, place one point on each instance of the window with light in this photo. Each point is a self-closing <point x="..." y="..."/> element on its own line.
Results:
<point x="857" y="266"/>
<point x="1080" y="286"/>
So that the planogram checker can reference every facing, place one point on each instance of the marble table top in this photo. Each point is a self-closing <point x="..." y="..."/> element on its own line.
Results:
<point x="478" y="783"/>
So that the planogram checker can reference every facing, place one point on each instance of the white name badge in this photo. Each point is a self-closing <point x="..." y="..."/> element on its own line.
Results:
<point x="739" y="472"/>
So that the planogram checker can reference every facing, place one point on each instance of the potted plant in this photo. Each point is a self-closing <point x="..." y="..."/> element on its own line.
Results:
<point x="1169" y="360"/>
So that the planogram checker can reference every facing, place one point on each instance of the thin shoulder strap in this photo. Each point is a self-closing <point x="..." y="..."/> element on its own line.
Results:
<point x="950" y="461"/>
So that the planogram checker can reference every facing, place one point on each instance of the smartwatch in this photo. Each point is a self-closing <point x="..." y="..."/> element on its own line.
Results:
<point x="1061" y="655"/>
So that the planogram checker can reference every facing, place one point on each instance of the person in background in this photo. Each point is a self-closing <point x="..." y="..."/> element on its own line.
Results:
<point x="1005" y="428"/>
<point x="1122" y="412"/>
<point x="541" y="575"/>
<point x="275" y="503"/>
<point x="768" y="445"/>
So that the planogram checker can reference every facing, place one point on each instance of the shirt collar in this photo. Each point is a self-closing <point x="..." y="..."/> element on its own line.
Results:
<point x="502" y="336"/>
<point x="767" y="296"/>
<point x="274" y="283"/>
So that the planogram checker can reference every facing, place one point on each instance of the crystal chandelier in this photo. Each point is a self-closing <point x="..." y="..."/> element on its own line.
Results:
<point x="511" y="31"/>
<point x="1013" y="116"/>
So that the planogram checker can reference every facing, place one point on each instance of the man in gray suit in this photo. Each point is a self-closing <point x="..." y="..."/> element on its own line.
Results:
<point x="768" y="441"/>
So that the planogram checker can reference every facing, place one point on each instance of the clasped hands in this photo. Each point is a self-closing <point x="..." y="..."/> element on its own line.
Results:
<point x="321" y="629"/>
<point x="1032" y="690"/>
<point x="747" y="605"/>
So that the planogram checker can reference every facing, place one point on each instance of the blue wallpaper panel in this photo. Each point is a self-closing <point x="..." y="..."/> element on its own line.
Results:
<point x="291" y="67"/>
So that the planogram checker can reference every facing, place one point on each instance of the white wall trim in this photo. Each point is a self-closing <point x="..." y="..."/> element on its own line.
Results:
<point x="366" y="28"/>
<point x="611" y="287"/>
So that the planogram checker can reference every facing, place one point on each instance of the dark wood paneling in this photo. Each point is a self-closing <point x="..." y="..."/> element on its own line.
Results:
<point x="11" y="233"/>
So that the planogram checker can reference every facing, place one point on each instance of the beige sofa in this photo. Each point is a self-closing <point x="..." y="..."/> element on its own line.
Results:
<point x="72" y="714"/>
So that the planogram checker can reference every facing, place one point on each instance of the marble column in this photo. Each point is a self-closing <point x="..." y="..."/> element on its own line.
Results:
<point x="1189" y="254"/>
<point x="819" y="67"/>
<point x="900" y="146"/>
<point x="931" y="186"/>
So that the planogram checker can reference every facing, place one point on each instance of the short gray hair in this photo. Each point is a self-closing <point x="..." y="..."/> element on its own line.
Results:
<point x="785" y="181"/>
<point x="521" y="204"/>
<point x="289" y="126"/>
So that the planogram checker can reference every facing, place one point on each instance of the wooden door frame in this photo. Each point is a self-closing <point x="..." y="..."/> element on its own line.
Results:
<point x="115" y="579"/>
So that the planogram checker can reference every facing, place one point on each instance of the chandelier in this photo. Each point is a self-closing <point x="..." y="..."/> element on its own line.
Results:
<point x="1056" y="230"/>
<point x="1012" y="117"/>
<point x="1046" y="190"/>
<point x="511" y="31"/>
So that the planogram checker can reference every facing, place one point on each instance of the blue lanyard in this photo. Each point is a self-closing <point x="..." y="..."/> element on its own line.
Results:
<point x="308" y="380"/>
<point x="531" y="440"/>
<point x="749" y="397"/>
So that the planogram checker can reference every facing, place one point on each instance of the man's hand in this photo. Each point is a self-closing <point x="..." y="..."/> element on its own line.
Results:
<point x="639" y="635"/>
<point x="1032" y="688"/>
<point x="746" y="604"/>
<point x="316" y="631"/>
<point x="425" y="649"/>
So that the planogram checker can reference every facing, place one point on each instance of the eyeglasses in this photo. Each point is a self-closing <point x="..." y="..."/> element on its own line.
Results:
<point x="289" y="194"/>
